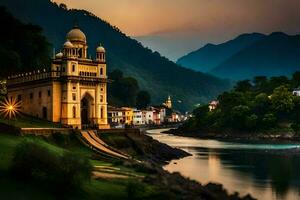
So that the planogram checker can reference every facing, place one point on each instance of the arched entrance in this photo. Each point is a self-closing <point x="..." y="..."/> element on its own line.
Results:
<point x="86" y="111"/>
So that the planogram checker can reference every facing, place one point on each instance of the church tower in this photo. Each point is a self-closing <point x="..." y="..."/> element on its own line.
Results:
<point x="168" y="103"/>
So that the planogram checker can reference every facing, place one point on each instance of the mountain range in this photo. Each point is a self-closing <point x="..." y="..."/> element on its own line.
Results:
<point x="155" y="73"/>
<point x="247" y="56"/>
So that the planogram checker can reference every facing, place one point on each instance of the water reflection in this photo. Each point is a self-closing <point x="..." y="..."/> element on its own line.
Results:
<point x="247" y="168"/>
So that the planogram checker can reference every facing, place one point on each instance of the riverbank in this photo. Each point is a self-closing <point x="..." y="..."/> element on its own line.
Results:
<point x="274" y="136"/>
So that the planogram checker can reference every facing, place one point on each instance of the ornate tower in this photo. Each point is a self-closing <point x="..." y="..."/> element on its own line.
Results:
<point x="169" y="102"/>
<point x="102" y="87"/>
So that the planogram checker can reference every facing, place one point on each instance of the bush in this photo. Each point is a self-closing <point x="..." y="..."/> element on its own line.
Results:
<point x="251" y="122"/>
<point x="269" y="121"/>
<point x="135" y="190"/>
<point x="33" y="161"/>
<point x="296" y="128"/>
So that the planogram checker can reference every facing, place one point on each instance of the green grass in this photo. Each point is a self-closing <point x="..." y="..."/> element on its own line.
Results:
<point x="96" y="189"/>
<point x="23" y="121"/>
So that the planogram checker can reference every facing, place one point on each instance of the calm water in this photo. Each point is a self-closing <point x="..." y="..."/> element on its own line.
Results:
<point x="246" y="168"/>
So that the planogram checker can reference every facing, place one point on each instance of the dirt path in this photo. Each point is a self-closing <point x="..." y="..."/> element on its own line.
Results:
<point x="100" y="145"/>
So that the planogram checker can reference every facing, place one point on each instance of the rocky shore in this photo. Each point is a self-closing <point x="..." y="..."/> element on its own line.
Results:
<point x="154" y="155"/>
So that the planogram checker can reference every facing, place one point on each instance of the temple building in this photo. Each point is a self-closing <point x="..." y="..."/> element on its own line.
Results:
<point x="73" y="92"/>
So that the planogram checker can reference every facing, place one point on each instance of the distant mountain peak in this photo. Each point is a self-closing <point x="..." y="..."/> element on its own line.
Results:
<point x="248" y="55"/>
<point x="211" y="55"/>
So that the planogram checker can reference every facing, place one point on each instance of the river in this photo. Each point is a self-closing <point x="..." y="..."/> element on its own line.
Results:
<point x="263" y="170"/>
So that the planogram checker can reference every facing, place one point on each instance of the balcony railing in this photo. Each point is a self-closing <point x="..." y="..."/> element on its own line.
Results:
<point x="49" y="75"/>
<point x="32" y="76"/>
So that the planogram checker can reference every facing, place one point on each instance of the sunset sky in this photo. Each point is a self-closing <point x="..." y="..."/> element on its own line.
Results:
<point x="194" y="22"/>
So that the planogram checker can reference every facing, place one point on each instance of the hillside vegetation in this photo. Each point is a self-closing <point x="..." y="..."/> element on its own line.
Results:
<point x="154" y="73"/>
<point x="23" y="47"/>
<point x="259" y="106"/>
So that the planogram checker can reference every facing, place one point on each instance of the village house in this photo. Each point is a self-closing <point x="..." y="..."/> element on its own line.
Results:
<point x="137" y="118"/>
<point x="213" y="105"/>
<point x="127" y="115"/>
<point x="147" y="116"/>
<point x="296" y="92"/>
<point x="115" y="116"/>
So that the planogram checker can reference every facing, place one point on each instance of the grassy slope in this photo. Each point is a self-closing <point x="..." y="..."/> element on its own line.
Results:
<point x="29" y="122"/>
<point x="96" y="189"/>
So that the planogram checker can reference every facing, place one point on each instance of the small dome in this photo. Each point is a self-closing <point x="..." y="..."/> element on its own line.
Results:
<point x="59" y="55"/>
<point x="100" y="49"/>
<point x="76" y="35"/>
<point x="68" y="44"/>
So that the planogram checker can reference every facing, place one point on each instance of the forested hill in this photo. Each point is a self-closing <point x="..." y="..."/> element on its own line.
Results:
<point x="156" y="74"/>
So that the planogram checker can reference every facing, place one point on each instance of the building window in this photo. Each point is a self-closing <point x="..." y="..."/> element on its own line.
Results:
<point x="73" y="68"/>
<point x="74" y="112"/>
<point x="102" y="113"/>
<point x="74" y="96"/>
<point x="45" y="112"/>
<point x="49" y="93"/>
<point x="31" y="96"/>
<point x="40" y="94"/>
<point x="101" y="71"/>
<point x="101" y="98"/>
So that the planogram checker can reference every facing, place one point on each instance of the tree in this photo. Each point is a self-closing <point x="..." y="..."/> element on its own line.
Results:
<point x="282" y="100"/>
<point x="230" y="99"/>
<point x="269" y="121"/>
<point x="23" y="47"/>
<point x="143" y="99"/>
<point x="123" y="90"/>
<point x="116" y="75"/>
<point x="243" y="86"/>
<point x="278" y="81"/>
<point x="63" y="6"/>
<point x="251" y="122"/>
<point x="296" y="79"/>
<point x="200" y="115"/>
<point x="128" y="90"/>
<point x="238" y="116"/>
<point x="260" y="82"/>
<point x="261" y="103"/>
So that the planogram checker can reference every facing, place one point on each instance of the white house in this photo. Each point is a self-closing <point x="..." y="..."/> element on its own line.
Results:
<point x="147" y="116"/>
<point x="115" y="116"/>
<point x="296" y="92"/>
<point x="137" y="117"/>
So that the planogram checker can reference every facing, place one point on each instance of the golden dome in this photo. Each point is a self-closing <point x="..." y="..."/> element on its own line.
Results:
<point x="59" y="55"/>
<point x="68" y="44"/>
<point x="100" y="49"/>
<point x="76" y="35"/>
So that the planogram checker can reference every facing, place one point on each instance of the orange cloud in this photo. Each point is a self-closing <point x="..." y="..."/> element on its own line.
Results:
<point x="192" y="17"/>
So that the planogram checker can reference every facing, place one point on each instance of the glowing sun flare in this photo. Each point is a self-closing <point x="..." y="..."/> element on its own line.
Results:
<point x="10" y="108"/>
